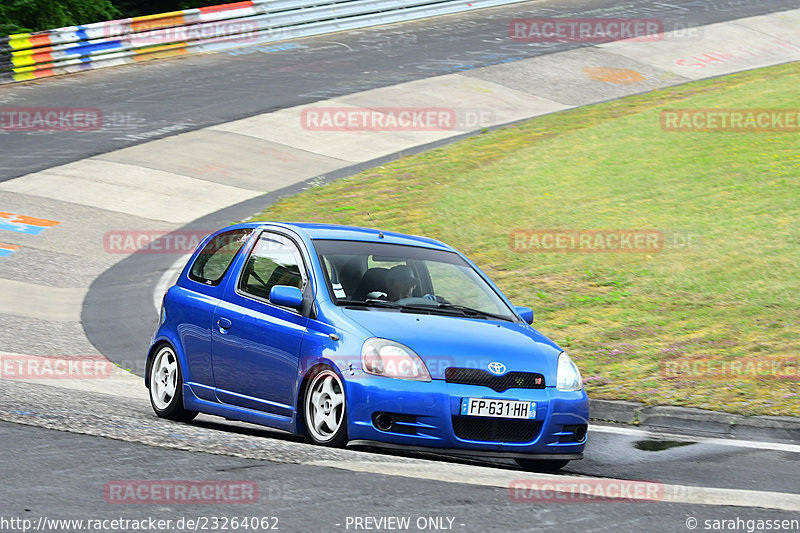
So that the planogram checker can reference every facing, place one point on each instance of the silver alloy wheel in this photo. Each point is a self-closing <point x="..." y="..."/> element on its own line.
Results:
<point x="325" y="406"/>
<point x="164" y="378"/>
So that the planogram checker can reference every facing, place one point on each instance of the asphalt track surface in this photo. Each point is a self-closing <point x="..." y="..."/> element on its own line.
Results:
<point x="62" y="475"/>
<point x="301" y="497"/>
<point x="144" y="102"/>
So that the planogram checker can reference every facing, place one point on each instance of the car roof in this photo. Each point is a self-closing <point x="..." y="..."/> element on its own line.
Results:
<point x="350" y="233"/>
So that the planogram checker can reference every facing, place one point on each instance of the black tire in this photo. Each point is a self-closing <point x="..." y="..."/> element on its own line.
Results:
<point x="166" y="386"/>
<point x="542" y="465"/>
<point x="325" y="402"/>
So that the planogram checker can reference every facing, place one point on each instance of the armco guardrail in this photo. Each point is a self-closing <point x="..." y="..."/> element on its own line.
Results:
<point x="30" y="56"/>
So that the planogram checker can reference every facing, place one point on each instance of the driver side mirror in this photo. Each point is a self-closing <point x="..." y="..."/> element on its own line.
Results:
<point x="526" y="313"/>
<point x="286" y="296"/>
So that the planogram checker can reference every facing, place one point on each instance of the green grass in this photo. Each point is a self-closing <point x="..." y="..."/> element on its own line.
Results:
<point x="733" y="295"/>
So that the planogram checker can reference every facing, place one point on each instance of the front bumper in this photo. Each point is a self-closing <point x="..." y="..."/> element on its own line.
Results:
<point x="427" y="412"/>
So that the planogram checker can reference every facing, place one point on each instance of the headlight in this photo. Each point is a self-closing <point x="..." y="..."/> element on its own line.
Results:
<point x="390" y="359"/>
<point x="569" y="377"/>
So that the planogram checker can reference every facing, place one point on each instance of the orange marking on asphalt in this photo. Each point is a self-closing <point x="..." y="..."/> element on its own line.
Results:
<point x="32" y="221"/>
<point x="619" y="76"/>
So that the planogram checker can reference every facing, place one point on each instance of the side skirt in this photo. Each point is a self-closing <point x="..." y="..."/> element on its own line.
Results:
<point x="232" y="412"/>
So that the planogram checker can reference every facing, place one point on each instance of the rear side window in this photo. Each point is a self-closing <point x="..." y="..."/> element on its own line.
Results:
<point x="275" y="260"/>
<point x="213" y="262"/>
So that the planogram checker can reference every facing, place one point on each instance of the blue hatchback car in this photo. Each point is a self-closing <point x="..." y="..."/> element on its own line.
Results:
<point x="353" y="335"/>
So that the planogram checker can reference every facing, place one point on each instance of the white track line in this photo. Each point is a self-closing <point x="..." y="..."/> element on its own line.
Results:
<point x="568" y="484"/>
<point x="166" y="280"/>
<point x="644" y="433"/>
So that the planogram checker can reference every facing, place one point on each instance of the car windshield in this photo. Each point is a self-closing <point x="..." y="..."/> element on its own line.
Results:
<point x="409" y="278"/>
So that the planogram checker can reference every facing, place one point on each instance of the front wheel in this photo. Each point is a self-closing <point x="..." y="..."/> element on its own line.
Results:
<point x="166" y="386"/>
<point x="325" y="409"/>
<point x="546" y="465"/>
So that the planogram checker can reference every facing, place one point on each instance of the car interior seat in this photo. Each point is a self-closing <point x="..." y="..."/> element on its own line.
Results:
<point x="374" y="280"/>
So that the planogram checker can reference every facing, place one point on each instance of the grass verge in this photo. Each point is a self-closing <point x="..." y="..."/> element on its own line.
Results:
<point x="711" y="320"/>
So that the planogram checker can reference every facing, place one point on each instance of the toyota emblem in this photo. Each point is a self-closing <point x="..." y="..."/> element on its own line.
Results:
<point x="497" y="368"/>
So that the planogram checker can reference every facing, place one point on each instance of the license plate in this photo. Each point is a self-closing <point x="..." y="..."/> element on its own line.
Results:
<point x="498" y="408"/>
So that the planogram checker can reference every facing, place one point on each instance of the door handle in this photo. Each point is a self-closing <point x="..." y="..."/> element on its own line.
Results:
<point x="224" y="323"/>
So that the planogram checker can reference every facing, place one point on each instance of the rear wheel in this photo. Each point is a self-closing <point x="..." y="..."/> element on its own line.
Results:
<point x="166" y="386"/>
<point x="325" y="409"/>
<point x="546" y="465"/>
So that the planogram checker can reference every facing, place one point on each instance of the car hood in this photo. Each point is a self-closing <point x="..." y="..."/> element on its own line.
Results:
<point x="452" y="341"/>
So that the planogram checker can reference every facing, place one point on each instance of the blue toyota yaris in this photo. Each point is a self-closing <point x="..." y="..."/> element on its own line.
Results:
<point x="352" y="335"/>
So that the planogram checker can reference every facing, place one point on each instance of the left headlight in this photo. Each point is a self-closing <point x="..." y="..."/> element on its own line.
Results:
<point x="569" y="377"/>
<point x="381" y="357"/>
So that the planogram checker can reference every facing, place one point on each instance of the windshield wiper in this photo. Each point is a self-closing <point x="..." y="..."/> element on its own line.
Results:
<point x="369" y="303"/>
<point x="451" y="308"/>
<point x="433" y="308"/>
<point x="472" y="311"/>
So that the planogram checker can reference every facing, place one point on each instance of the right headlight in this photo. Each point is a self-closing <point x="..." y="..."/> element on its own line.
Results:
<point x="568" y="377"/>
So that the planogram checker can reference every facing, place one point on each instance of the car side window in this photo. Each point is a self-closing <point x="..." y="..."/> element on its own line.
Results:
<point x="275" y="260"/>
<point x="216" y="257"/>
